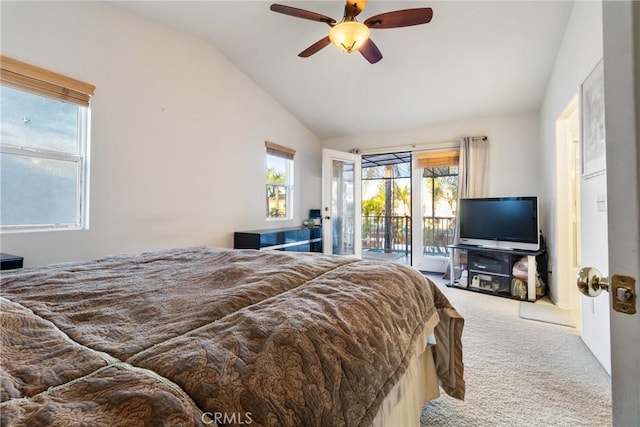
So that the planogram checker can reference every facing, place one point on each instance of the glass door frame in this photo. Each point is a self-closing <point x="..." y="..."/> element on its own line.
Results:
<point x="433" y="263"/>
<point x="329" y="200"/>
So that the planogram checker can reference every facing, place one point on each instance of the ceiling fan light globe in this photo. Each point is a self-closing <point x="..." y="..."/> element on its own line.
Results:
<point x="349" y="35"/>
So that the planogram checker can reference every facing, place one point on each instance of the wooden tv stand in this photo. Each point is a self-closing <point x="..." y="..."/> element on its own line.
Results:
<point x="492" y="268"/>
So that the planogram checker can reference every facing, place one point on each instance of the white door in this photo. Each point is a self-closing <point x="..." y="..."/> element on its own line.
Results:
<point x="621" y="24"/>
<point x="593" y="242"/>
<point x="341" y="203"/>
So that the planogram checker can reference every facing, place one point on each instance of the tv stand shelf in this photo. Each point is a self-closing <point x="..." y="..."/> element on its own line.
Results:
<point x="490" y="270"/>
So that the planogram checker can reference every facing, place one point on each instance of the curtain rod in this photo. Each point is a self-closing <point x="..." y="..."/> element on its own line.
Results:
<point x="412" y="147"/>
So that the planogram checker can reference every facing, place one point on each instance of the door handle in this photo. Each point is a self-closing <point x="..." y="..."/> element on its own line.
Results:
<point x="591" y="283"/>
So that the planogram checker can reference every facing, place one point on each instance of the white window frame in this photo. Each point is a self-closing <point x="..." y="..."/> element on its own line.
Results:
<point x="289" y="187"/>
<point x="40" y="82"/>
<point x="81" y="208"/>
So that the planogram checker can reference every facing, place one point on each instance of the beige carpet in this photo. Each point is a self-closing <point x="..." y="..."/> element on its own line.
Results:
<point x="543" y="310"/>
<point x="521" y="373"/>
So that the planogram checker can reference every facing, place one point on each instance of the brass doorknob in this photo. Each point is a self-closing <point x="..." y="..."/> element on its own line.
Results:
<point x="590" y="282"/>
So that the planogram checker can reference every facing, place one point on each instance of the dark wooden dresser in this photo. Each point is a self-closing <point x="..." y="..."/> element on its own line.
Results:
<point x="296" y="239"/>
<point x="10" y="262"/>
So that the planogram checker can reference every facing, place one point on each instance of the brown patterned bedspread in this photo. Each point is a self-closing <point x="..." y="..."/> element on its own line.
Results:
<point x="197" y="336"/>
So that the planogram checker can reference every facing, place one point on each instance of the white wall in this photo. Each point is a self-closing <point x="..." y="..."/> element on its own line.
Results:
<point x="177" y="141"/>
<point x="514" y="155"/>
<point x="579" y="53"/>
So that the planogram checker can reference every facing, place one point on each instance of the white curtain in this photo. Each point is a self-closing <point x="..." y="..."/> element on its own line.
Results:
<point x="472" y="175"/>
<point x="474" y="162"/>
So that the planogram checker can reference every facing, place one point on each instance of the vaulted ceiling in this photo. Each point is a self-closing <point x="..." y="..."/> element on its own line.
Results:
<point x="474" y="59"/>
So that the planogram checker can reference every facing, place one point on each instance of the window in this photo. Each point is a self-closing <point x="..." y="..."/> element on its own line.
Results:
<point x="439" y="200"/>
<point x="279" y="181"/>
<point x="43" y="149"/>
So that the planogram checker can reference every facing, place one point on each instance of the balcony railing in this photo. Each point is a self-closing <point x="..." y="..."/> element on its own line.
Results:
<point x="438" y="232"/>
<point x="392" y="234"/>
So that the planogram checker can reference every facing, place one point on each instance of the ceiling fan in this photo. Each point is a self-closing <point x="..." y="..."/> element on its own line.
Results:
<point x="350" y="35"/>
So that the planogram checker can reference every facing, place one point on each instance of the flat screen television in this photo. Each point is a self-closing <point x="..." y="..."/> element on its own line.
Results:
<point x="500" y="222"/>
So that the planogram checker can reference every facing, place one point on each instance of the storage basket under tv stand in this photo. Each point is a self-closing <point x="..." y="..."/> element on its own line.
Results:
<point x="495" y="266"/>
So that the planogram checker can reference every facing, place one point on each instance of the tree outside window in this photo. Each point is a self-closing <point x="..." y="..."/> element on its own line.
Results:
<point x="278" y="187"/>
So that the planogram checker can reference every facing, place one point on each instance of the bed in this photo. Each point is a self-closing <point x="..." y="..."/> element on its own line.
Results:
<point x="209" y="336"/>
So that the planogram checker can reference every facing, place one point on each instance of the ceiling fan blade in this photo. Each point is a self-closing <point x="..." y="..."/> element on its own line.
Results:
<point x="400" y="18"/>
<point x="301" y="13"/>
<point x="315" y="47"/>
<point x="353" y="8"/>
<point x="370" y="51"/>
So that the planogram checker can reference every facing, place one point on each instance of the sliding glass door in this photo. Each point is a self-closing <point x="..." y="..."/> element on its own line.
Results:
<point x="435" y="204"/>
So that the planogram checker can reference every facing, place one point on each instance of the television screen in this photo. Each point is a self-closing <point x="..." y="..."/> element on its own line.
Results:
<point x="501" y="222"/>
